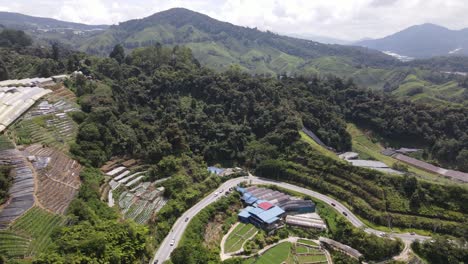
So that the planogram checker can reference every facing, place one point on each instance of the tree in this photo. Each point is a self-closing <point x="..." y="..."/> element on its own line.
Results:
<point x="462" y="160"/>
<point x="55" y="51"/>
<point x="118" y="53"/>
<point x="14" y="39"/>
<point x="4" y="75"/>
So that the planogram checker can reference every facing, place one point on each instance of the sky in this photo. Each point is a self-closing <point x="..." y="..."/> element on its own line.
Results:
<point x="341" y="19"/>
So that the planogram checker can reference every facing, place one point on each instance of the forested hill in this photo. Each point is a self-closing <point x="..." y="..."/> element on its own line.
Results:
<point x="159" y="93"/>
<point x="20" y="21"/>
<point x="223" y="43"/>
<point x="423" y="41"/>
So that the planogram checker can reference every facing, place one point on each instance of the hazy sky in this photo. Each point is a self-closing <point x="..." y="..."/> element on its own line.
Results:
<point x="344" y="19"/>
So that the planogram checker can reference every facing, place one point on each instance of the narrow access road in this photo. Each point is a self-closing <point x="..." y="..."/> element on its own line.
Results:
<point x="165" y="249"/>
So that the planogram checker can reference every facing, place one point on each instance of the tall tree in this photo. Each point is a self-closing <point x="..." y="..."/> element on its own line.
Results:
<point x="55" y="51"/>
<point x="118" y="53"/>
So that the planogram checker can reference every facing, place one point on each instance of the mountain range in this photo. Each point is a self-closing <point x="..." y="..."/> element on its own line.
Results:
<point x="422" y="41"/>
<point x="218" y="45"/>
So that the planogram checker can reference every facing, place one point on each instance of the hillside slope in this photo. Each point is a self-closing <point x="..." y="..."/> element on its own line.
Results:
<point x="22" y="21"/>
<point x="423" y="41"/>
<point x="220" y="44"/>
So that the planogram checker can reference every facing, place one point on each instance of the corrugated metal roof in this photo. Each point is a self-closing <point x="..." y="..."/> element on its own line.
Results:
<point x="368" y="163"/>
<point x="268" y="215"/>
<point x="265" y="205"/>
<point x="244" y="213"/>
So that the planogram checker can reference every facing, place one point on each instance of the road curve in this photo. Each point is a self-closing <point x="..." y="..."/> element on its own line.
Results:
<point x="165" y="249"/>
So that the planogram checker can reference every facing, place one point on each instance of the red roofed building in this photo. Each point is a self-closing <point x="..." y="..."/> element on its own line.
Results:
<point x="265" y="205"/>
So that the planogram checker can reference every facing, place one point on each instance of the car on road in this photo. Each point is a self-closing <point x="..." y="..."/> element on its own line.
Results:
<point x="186" y="219"/>
<point x="216" y="194"/>
<point x="412" y="233"/>
<point x="382" y="234"/>
<point x="156" y="262"/>
<point x="333" y="204"/>
<point x="172" y="242"/>
<point x="345" y="214"/>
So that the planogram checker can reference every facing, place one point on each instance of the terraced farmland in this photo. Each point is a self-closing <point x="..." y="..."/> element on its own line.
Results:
<point x="241" y="233"/>
<point x="30" y="234"/>
<point x="58" y="177"/>
<point x="13" y="245"/>
<point x="141" y="202"/>
<point x="50" y="130"/>
<point x="367" y="149"/>
<point x="38" y="224"/>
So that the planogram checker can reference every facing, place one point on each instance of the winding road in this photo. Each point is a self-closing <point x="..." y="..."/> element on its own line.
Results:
<point x="164" y="251"/>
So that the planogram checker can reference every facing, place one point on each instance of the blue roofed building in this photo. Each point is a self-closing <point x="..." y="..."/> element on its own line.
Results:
<point x="266" y="207"/>
<point x="260" y="217"/>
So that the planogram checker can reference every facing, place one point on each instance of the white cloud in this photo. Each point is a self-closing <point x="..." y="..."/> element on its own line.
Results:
<point x="347" y="19"/>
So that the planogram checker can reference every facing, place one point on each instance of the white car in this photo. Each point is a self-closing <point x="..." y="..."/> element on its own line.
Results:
<point x="216" y="194"/>
<point x="172" y="243"/>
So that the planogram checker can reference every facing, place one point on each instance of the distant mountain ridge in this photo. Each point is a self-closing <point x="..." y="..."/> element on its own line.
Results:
<point x="220" y="44"/>
<point x="17" y="20"/>
<point x="422" y="41"/>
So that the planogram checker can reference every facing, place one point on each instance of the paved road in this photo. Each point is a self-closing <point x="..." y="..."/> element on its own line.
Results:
<point x="164" y="251"/>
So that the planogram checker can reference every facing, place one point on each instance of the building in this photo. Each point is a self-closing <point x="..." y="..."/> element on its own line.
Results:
<point x="373" y="164"/>
<point x="297" y="206"/>
<point x="262" y="214"/>
<point x="266" y="208"/>
<point x="306" y="220"/>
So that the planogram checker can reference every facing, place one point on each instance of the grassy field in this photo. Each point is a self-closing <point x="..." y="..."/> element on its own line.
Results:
<point x="238" y="236"/>
<point x="317" y="147"/>
<point x="276" y="255"/>
<point x="368" y="149"/>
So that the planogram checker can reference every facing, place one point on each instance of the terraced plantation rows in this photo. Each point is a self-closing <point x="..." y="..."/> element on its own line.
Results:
<point x="38" y="224"/>
<point x="51" y="130"/>
<point x="30" y="234"/>
<point x="13" y="245"/>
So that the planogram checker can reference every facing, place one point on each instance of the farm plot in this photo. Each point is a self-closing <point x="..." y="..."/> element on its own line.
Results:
<point x="58" y="181"/>
<point x="5" y="143"/>
<point x="307" y="254"/>
<point x="38" y="225"/>
<point x="13" y="245"/>
<point x="278" y="254"/>
<point x="141" y="202"/>
<point x="21" y="192"/>
<point x="238" y="236"/>
<point x="301" y="252"/>
<point x="48" y="124"/>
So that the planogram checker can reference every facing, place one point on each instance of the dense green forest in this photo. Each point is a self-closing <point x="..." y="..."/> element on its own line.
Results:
<point x="442" y="250"/>
<point x="5" y="182"/>
<point x="161" y="95"/>
<point x="163" y="104"/>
